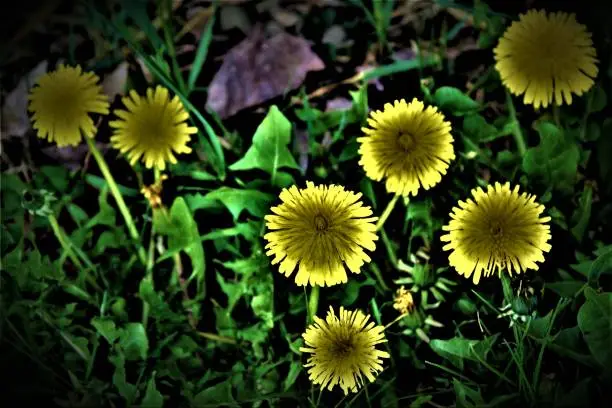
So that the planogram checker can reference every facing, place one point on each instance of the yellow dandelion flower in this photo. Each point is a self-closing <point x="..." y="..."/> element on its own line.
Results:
<point x="343" y="350"/>
<point x="543" y="56"/>
<point x="152" y="127"/>
<point x="61" y="102"/>
<point x="321" y="228"/>
<point x="409" y="146"/>
<point x="499" y="229"/>
<point x="403" y="301"/>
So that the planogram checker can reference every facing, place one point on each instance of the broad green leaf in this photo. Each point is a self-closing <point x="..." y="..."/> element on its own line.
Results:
<point x="236" y="200"/>
<point x="269" y="151"/>
<point x="134" y="342"/>
<point x="457" y="349"/>
<point x="106" y="328"/>
<point x="477" y="128"/>
<point x="454" y="101"/>
<point x="554" y="161"/>
<point x="582" y="214"/>
<point x="152" y="398"/>
<point x="601" y="266"/>
<point x="183" y="235"/>
<point x="595" y="322"/>
<point x="217" y="395"/>
<point x="565" y="288"/>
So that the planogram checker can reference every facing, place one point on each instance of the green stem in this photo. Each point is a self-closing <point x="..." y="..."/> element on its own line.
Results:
<point x="114" y="189"/>
<point x="374" y="268"/>
<point x="59" y="234"/>
<point x="538" y="368"/>
<point x="313" y="303"/>
<point x="387" y="212"/>
<point x="67" y="247"/>
<point x="521" y="145"/>
<point x="509" y="297"/>
<point x="389" y="248"/>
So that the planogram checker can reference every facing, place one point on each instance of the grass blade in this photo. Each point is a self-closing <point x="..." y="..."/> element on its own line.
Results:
<point x="201" y="53"/>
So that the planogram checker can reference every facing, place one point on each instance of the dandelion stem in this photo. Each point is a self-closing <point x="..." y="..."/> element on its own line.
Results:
<point x="216" y="337"/>
<point x="59" y="234"/>
<point x="521" y="145"/>
<point x="374" y="268"/>
<point x="61" y="237"/>
<point x="397" y="319"/>
<point x="313" y="303"/>
<point x="387" y="212"/>
<point x="114" y="189"/>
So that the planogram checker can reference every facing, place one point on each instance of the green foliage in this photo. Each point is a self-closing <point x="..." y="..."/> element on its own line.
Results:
<point x="207" y="321"/>
<point x="454" y="101"/>
<point x="269" y="150"/>
<point x="554" y="162"/>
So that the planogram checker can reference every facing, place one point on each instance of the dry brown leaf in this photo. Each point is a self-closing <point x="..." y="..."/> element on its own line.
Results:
<point x="114" y="83"/>
<point x="15" y="118"/>
<point x="284" y="17"/>
<point x="338" y="103"/>
<point x="71" y="156"/>
<point x="235" y="17"/>
<point x="259" y="69"/>
<point x="197" y="18"/>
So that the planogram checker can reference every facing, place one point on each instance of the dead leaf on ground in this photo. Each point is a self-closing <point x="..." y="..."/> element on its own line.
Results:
<point x="286" y="18"/>
<point x="338" y="103"/>
<point x="15" y="118"/>
<point x="336" y="36"/>
<point x="197" y="18"/>
<point x="71" y="156"/>
<point x="235" y="17"/>
<point x="114" y="83"/>
<point x="259" y="69"/>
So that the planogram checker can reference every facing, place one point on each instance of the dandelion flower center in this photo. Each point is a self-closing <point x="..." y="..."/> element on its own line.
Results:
<point x="406" y="141"/>
<point x="321" y="223"/>
<point x="343" y="350"/>
<point x="500" y="230"/>
<point x="546" y="57"/>
<point x="407" y="145"/>
<point x="321" y="231"/>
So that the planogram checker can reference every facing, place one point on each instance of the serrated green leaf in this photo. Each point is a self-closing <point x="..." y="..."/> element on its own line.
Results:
<point x="127" y="390"/>
<point x="183" y="235"/>
<point x="236" y="200"/>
